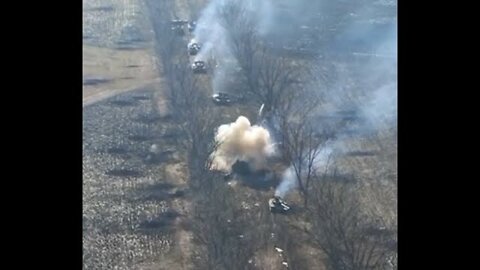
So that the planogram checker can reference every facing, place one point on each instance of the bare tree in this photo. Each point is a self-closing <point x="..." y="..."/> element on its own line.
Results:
<point x="219" y="227"/>
<point x="302" y="147"/>
<point x="349" y="237"/>
<point x="191" y="109"/>
<point x="276" y="76"/>
<point x="267" y="77"/>
<point x="167" y="43"/>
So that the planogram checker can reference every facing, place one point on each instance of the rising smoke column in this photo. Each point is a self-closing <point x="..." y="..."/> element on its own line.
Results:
<point x="289" y="182"/>
<point x="376" y="107"/>
<point x="214" y="38"/>
<point x="320" y="165"/>
<point x="214" y="43"/>
<point x="242" y="141"/>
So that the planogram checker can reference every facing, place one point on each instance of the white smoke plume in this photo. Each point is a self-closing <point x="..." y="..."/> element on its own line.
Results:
<point x="381" y="109"/>
<point x="260" y="111"/>
<point x="324" y="157"/>
<point x="376" y="105"/>
<point x="320" y="165"/>
<point x="214" y="43"/>
<point x="214" y="39"/>
<point x="289" y="182"/>
<point x="242" y="141"/>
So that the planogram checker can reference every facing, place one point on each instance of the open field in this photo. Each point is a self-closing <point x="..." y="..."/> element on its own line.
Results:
<point x="117" y="49"/>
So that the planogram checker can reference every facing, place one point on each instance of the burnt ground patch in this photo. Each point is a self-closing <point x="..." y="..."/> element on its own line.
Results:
<point x="160" y="195"/>
<point x="155" y="226"/>
<point x="101" y="8"/>
<point x="122" y="103"/>
<point x="124" y="172"/>
<point x="159" y="192"/>
<point x="179" y="193"/>
<point x="156" y="196"/>
<point x="169" y="214"/>
<point x="148" y="118"/>
<point x="163" y="222"/>
<point x="260" y="180"/>
<point x="95" y="80"/>
<point x="160" y="186"/>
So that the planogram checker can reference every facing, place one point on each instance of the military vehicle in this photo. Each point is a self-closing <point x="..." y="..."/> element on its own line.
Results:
<point x="277" y="205"/>
<point x="199" y="67"/>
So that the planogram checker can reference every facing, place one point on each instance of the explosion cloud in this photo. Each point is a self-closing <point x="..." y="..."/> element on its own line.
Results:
<point x="242" y="141"/>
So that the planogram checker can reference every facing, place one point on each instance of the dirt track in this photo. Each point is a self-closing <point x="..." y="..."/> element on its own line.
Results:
<point x="101" y="95"/>
<point x="118" y="53"/>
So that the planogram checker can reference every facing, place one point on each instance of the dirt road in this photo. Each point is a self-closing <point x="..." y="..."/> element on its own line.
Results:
<point x="118" y="53"/>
